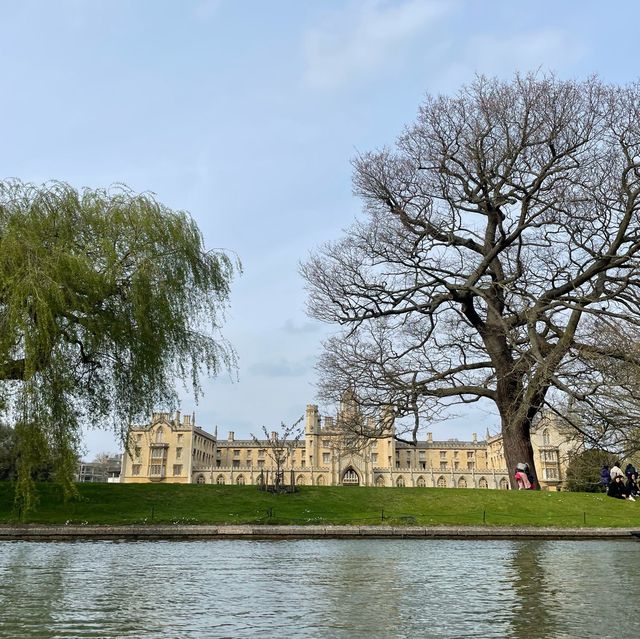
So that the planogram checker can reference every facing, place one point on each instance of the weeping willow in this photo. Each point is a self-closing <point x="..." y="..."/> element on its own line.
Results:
<point x="107" y="299"/>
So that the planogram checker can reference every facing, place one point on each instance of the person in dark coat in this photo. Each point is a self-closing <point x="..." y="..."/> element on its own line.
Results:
<point x="630" y="470"/>
<point x="617" y="489"/>
<point x="632" y="486"/>
<point x="605" y="477"/>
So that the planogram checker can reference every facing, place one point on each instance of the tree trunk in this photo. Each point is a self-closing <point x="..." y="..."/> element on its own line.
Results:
<point x="516" y="441"/>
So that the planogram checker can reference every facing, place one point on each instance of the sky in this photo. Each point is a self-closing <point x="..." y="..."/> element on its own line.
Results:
<point x="247" y="114"/>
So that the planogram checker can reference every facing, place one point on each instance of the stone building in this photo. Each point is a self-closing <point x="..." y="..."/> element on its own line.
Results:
<point x="172" y="449"/>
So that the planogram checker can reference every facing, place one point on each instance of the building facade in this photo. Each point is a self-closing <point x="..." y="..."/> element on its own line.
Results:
<point x="172" y="449"/>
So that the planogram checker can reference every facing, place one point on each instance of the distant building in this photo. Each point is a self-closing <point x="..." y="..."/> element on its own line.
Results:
<point x="174" y="450"/>
<point x="106" y="470"/>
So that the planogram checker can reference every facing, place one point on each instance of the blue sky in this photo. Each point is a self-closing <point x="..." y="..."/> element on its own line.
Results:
<point x="247" y="114"/>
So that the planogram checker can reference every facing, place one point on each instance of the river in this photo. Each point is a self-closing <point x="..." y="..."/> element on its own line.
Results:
<point x="320" y="589"/>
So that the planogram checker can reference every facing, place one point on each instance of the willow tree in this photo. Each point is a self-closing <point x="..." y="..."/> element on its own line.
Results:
<point x="499" y="233"/>
<point x="106" y="299"/>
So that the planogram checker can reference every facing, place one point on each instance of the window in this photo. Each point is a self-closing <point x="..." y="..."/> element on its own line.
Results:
<point x="220" y="479"/>
<point x="374" y="458"/>
<point x="236" y="463"/>
<point x="549" y="455"/>
<point x="350" y="477"/>
<point x="546" y="440"/>
<point x="135" y="469"/>
<point x="139" y="437"/>
<point x="326" y="443"/>
<point x="261" y="463"/>
<point x="455" y="454"/>
<point x="240" y="480"/>
<point x="550" y="473"/>
<point x="442" y="482"/>
<point x="469" y="454"/>
<point x="302" y="463"/>
<point x="326" y="457"/>
<point x="456" y="465"/>
<point x="397" y="464"/>
<point x="483" y="483"/>
<point x="443" y="465"/>
<point x="156" y="469"/>
<point x="443" y="454"/>
<point x="200" y="479"/>
<point x="504" y="484"/>
<point x="261" y="452"/>
<point x="462" y="482"/>
<point x="423" y="465"/>
<point x="374" y="444"/>
<point x="177" y="469"/>
<point x="236" y="453"/>
<point x="136" y="452"/>
<point x="178" y="453"/>
<point x="421" y="483"/>
<point x="470" y="465"/>
<point x="422" y="454"/>
<point x="400" y="482"/>
<point x="159" y="435"/>
<point x="179" y="439"/>
<point x="157" y="453"/>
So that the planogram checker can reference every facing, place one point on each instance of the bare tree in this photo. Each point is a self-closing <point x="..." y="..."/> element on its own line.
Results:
<point x="279" y="446"/>
<point x="499" y="231"/>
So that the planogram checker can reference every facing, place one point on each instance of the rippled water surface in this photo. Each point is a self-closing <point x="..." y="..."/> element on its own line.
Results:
<point x="318" y="589"/>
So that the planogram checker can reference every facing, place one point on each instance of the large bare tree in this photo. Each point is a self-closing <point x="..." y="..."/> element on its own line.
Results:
<point x="499" y="235"/>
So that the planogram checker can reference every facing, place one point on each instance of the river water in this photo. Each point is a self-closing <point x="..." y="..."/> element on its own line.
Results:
<point x="320" y="589"/>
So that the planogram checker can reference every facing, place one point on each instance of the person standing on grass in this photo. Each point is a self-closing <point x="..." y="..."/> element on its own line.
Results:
<point x="616" y="470"/>
<point x="605" y="477"/>
<point x="617" y="489"/>
<point x="522" y="480"/>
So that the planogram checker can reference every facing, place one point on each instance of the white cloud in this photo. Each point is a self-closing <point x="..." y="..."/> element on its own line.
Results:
<point x="365" y="38"/>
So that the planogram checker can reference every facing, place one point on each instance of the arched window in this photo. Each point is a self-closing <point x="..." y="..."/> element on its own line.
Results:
<point x="300" y="480"/>
<point x="200" y="479"/>
<point x="504" y="484"/>
<point x="220" y="479"/>
<point x="379" y="481"/>
<point x="350" y="477"/>
<point x="462" y="482"/>
<point x="442" y="482"/>
<point x="421" y="483"/>
<point x="159" y="435"/>
<point x="320" y="480"/>
<point x="400" y="482"/>
<point x="546" y="440"/>
<point x="482" y="483"/>
<point x="240" y="480"/>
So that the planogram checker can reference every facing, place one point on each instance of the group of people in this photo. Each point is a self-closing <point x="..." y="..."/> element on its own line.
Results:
<point x="621" y="485"/>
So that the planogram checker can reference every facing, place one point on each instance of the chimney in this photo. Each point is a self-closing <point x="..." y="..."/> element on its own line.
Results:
<point x="274" y="436"/>
<point x="186" y="419"/>
<point x="430" y="437"/>
<point x="177" y="418"/>
<point x="230" y="436"/>
<point x="474" y="437"/>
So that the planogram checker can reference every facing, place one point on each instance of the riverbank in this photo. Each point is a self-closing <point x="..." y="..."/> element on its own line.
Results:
<point x="189" y="533"/>
<point x="175" y="505"/>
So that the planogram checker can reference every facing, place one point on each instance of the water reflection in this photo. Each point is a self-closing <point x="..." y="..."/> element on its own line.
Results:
<point x="318" y="589"/>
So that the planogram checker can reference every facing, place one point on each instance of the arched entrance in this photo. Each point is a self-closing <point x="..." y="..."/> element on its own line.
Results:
<point x="350" y="477"/>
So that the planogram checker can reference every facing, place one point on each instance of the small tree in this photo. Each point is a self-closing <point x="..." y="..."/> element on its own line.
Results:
<point x="583" y="470"/>
<point x="279" y="446"/>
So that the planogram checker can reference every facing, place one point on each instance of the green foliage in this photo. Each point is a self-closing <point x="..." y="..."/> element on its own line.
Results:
<point x="7" y="452"/>
<point x="583" y="470"/>
<point x="106" y="298"/>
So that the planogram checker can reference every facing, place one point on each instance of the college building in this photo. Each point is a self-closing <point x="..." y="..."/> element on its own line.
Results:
<point x="172" y="449"/>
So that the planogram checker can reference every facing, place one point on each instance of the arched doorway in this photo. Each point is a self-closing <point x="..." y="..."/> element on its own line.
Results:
<point x="350" y="477"/>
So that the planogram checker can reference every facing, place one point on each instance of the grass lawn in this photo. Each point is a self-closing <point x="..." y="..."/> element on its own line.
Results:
<point x="212" y="504"/>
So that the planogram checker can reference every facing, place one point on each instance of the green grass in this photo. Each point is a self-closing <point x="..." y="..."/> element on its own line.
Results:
<point x="197" y="504"/>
